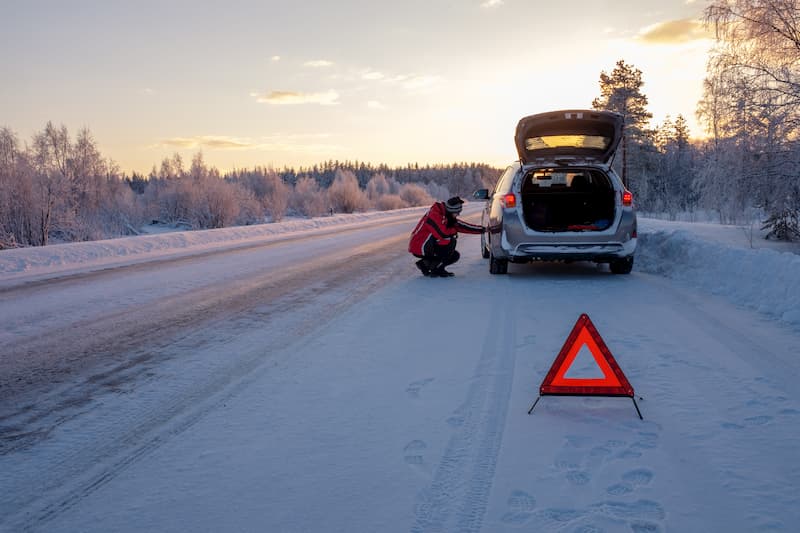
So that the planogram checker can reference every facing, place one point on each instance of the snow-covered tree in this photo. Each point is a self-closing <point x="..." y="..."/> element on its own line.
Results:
<point x="307" y="198"/>
<point x="344" y="194"/>
<point x="751" y="104"/>
<point x="414" y="195"/>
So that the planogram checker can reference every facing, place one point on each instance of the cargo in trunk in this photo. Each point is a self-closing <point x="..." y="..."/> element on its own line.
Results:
<point x="571" y="199"/>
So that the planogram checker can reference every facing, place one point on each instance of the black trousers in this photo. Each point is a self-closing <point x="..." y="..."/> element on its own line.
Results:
<point x="439" y="256"/>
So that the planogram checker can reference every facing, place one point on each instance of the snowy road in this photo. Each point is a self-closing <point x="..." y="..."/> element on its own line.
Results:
<point x="320" y="384"/>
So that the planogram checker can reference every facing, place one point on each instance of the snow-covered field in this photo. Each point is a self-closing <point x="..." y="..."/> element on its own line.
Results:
<point x="383" y="401"/>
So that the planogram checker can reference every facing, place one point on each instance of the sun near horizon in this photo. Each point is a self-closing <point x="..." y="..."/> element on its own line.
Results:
<point x="270" y="84"/>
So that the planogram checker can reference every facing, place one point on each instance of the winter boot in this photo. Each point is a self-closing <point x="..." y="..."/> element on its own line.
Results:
<point x="440" y="272"/>
<point x="423" y="267"/>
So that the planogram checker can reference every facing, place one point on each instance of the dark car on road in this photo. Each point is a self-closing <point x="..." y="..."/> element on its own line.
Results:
<point x="561" y="201"/>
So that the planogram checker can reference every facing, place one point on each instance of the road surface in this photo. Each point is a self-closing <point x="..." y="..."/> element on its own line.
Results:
<point x="319" y="383"/>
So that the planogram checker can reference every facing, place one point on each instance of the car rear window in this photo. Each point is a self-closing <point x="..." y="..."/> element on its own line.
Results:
<point x="567" y="141"/>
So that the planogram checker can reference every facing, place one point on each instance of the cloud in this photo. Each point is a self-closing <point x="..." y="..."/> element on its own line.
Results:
<point x="147" y="91"/>
<point x="419" y="83"/>
<point x="372" y="75"/>
<point x="318" y="63"/>
<point x="208" y="141"/>
<point x="488" y="4"/>
<point x="297" y="143"/>
<point x="296" y="98"/>
<point x="674" y="32"/>
<point x="374" y="104"/>
<point x="409" y="82"/>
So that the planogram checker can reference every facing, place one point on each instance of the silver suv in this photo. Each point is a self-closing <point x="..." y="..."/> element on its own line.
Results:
<point x="561" y="201"/>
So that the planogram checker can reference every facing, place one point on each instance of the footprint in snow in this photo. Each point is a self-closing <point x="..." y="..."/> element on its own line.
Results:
<point x="413" y="452"/>
<point x="555" y="519"/>
<point x="749" y="421"/>
<point x="629" y="454"/>
<point x="598" y="455"/>
<point x="455" y="421"/>
<point x="521" y="506"/>
<point x="415" y="387"/>
<point x="758" y="420"/>
<point x="588" y="528"/>
<point x="640" y="510"/>
<point x="640" y="476"/>
<point x="527" y="340"/>
<point x="619" y="489"/>
<point x="648" y="441"/>
<point x="645" y="527"/>
<point x="578" y="477"/>
<point x="578" y="441"/>
<point x="731" y="425"/>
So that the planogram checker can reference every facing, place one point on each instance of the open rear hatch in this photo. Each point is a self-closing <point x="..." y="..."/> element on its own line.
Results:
<point x="558" y="136"/>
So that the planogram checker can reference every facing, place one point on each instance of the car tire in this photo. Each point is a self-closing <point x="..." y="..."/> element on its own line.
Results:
<point x="484" y="249"/>
<point x="622" y="266"/>
<point x="497" y="266"/>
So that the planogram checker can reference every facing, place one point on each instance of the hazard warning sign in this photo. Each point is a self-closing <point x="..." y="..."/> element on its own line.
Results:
<point x="561" y="381"/>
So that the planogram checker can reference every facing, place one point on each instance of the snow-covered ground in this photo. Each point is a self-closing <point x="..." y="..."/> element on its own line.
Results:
<point x="408" y="410"/>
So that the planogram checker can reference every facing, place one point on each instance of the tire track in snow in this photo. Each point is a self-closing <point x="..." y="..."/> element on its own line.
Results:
<point x="463" y="479"/>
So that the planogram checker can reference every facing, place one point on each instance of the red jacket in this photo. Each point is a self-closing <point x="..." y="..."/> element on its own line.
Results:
<point x="433" y="225"/>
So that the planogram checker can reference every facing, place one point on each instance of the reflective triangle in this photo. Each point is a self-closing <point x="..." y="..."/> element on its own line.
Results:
<point x="613" y="382"/>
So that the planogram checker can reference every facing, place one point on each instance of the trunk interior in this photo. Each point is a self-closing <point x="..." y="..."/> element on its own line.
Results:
<point x="567" y="200"/>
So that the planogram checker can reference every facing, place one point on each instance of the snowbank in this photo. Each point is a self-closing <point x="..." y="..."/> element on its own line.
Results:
<point x="711" y="258"/>
<point x="82" y="256"/>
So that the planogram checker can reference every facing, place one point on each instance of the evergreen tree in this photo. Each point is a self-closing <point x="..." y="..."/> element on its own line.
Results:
<point x="621" y="91"/>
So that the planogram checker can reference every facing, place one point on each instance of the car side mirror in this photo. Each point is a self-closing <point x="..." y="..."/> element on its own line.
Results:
<point x="481" y="194"/>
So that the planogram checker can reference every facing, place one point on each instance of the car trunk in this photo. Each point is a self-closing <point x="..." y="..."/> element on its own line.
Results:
<point x="567" y="200"/>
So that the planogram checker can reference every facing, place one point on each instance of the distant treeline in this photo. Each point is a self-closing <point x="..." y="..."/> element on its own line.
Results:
<point x="59" y="189"/>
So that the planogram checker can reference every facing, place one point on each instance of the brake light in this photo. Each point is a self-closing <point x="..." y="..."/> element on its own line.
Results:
<point x="627" y="198"/>
<point x="509" y="200"/>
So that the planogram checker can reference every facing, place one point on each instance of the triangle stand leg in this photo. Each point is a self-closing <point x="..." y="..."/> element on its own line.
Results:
<point x="637" y="408"/>
<point x="534" y="404"/>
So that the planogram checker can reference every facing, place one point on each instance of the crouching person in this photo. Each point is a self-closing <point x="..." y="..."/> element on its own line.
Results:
<point x="433" y="240"/>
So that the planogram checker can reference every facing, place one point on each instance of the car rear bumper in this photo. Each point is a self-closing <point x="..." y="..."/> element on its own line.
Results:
<point x="577" y="252"/>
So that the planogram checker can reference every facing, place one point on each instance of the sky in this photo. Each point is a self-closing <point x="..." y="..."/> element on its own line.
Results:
<point x="296" y="83"/>
<point x="302" y="421"/>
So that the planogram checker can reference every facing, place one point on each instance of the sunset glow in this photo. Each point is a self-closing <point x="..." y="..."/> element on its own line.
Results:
<point x="271" y="83"/>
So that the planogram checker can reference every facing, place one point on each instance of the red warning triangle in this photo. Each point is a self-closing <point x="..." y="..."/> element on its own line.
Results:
<point x="613" y="382"/>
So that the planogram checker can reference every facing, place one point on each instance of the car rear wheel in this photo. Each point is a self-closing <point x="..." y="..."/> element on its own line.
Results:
<point x="622" y="266"/>
<point x="497" y="266"/>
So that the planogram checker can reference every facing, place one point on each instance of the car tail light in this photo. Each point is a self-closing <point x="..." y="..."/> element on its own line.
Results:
<point x="509" y="200"/>
<point x="627" y="198"/>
